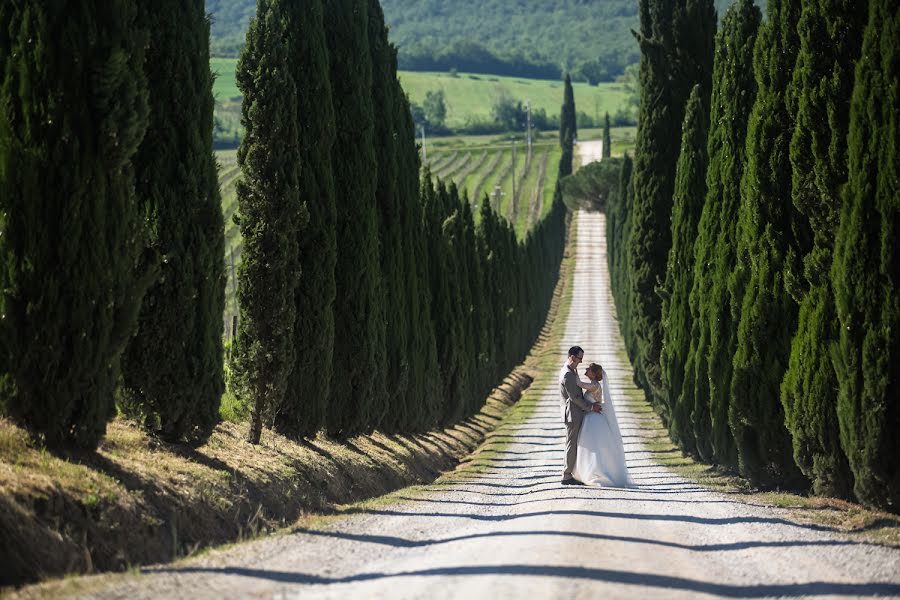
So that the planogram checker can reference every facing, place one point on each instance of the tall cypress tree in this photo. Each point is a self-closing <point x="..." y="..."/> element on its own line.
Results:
<point x="607" y="138"/>
<point x="568" y="129"/>
<point x="676" y="42"/>
<point x="620" y="281"/>
<point x="489" y="291"/>
<point x="357" y="390"/>
<point x="172" y="368"/>
<point x="760" y="305"/>
<point x="390" y="225"/>
<point x="734" y="91"/>
<point x="423" y="394"/>
<point x="455" y="232"/>
<point x="866" y="269"/>
<point x="270" y="213"/>
<point x="690" y="192"/>
<point x="474" y="317"/>
<point x="830" y="40"/>
<point x="445" y="296"/>
<point x="308" y="389"/>
<point x="73" y="111"/>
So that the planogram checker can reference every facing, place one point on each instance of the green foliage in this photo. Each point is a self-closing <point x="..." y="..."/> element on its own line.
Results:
<point x="675" y="38"/>
<point x="830" y="40"/>
<point x="733" y="94"/>
<point x="435" y="107"/>
<point x="763" y="315"/>
<point x="866" y="269"/>
<point x="358" y="387"/>
<point x="271" y="214"/>
<point x="534" y="42"/>
<point x="592" y="185"/>
<point x="172" y="369"/>
<point x="677" y="321"/>
<point x="568" y="129"/>
<point x="618" y="220"/>
<point x="73" y="111"/>
<point x="391" y="234"/>
<point x="607" y="139"/>
<point x="308" y="390"/>
<point x="423" y="398"/>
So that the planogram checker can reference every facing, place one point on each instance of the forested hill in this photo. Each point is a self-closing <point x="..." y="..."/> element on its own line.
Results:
<point x="527" y="38"/>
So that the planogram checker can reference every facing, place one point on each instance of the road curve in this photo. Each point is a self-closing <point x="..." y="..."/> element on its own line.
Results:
<point x="513" y="532"/>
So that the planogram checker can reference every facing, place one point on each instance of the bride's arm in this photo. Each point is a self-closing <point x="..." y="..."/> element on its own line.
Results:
<point x="589" y="386"/>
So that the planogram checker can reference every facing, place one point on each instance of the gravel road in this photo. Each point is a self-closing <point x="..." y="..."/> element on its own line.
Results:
<point x="514" y="532"/>
<point x="590" y="151"/>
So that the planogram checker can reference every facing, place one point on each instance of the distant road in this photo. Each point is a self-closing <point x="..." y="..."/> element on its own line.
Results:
<point x="590" y="151"/>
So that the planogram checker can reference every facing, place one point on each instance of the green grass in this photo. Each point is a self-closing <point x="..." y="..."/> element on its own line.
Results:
<point x="225" y="86"/>
<point x="470" y="96"/>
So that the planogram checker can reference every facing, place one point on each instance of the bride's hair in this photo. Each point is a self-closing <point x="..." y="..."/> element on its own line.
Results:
<point x="595" y="369"/>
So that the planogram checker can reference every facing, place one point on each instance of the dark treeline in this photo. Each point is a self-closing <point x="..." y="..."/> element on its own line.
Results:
<point x="369" y="297"/>
<point x="756" y="271"/>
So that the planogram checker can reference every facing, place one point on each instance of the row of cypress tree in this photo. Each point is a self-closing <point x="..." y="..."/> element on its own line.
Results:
<point x="414" y="312"/>
<point x="111" y="219"/>
<point x="769" y="243"/>
<point x="368" y="297"/>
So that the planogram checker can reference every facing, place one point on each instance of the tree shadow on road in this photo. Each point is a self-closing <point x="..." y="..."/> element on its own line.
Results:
<point x="609" y="576"/>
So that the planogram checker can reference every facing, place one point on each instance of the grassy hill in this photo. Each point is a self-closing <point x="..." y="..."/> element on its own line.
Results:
<point x="527" y="38"/>
<point x="469" y="97"/>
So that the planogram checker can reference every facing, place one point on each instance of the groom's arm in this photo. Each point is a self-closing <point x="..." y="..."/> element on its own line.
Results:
<point x="576" y="396"/>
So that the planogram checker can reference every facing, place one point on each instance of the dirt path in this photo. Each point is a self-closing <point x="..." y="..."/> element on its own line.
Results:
<point x="513" y="532"/>
<point x="589" y="151"/>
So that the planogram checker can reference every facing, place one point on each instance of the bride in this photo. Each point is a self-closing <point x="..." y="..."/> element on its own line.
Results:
<point x="601" y="456"/>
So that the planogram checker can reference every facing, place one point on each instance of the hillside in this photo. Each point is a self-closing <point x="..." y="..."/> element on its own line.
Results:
<point x="531" y="38"/>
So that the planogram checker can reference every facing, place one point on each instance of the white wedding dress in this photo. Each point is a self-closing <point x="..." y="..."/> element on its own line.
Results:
<point x="601" y="456"/>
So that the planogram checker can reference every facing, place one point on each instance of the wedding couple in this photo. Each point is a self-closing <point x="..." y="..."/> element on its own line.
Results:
<point x="594" y="451"/>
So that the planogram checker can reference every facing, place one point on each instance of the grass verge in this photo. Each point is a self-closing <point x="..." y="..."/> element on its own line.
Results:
<point x="854" y="520"/>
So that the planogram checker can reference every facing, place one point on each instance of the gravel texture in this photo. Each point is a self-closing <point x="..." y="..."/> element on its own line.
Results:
<point x="514" y="532"/>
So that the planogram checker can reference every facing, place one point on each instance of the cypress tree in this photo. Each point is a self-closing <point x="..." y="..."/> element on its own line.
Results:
<point x="607" y="138"/>
<point x="866" y="268"/>
<point x="358" y="388"/>
<point x="830" y="39"/>
<point x="172" y="369"/>
<point x="760" y="305"/>
<point x="387" y="141"/>
<point x="270" y="214"/>
<point x="734" y="90"/>
<point x="445" y="297"/>
<point x="423" y="394"/>
<point x="73" y="111"/>
<point x="676" y="42"/>
<point x="690" y="192"/>
<point x="455" y="232"/>
<point x="489" y="291"/>
<point x="474" y="319"/>
<point x="307" y="394"/>
<point x="568" y="129"/>
<point x="620" y="281"/>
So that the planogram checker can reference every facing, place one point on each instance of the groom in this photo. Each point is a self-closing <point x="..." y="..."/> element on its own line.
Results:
<point x="574" y="407"/>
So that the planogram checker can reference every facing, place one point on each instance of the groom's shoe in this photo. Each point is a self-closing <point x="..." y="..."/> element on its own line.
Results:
<point x="571" y="481"/>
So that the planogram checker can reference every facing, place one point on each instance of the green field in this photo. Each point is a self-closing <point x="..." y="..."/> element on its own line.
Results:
<point x="225" y="87"/>
<point x="468" y="96"/>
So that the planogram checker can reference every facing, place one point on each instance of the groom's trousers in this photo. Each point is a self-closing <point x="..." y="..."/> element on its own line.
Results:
<point x="572" y="429"/>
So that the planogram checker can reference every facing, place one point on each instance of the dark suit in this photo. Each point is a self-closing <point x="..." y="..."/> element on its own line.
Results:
<point x="573" y="407"/>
